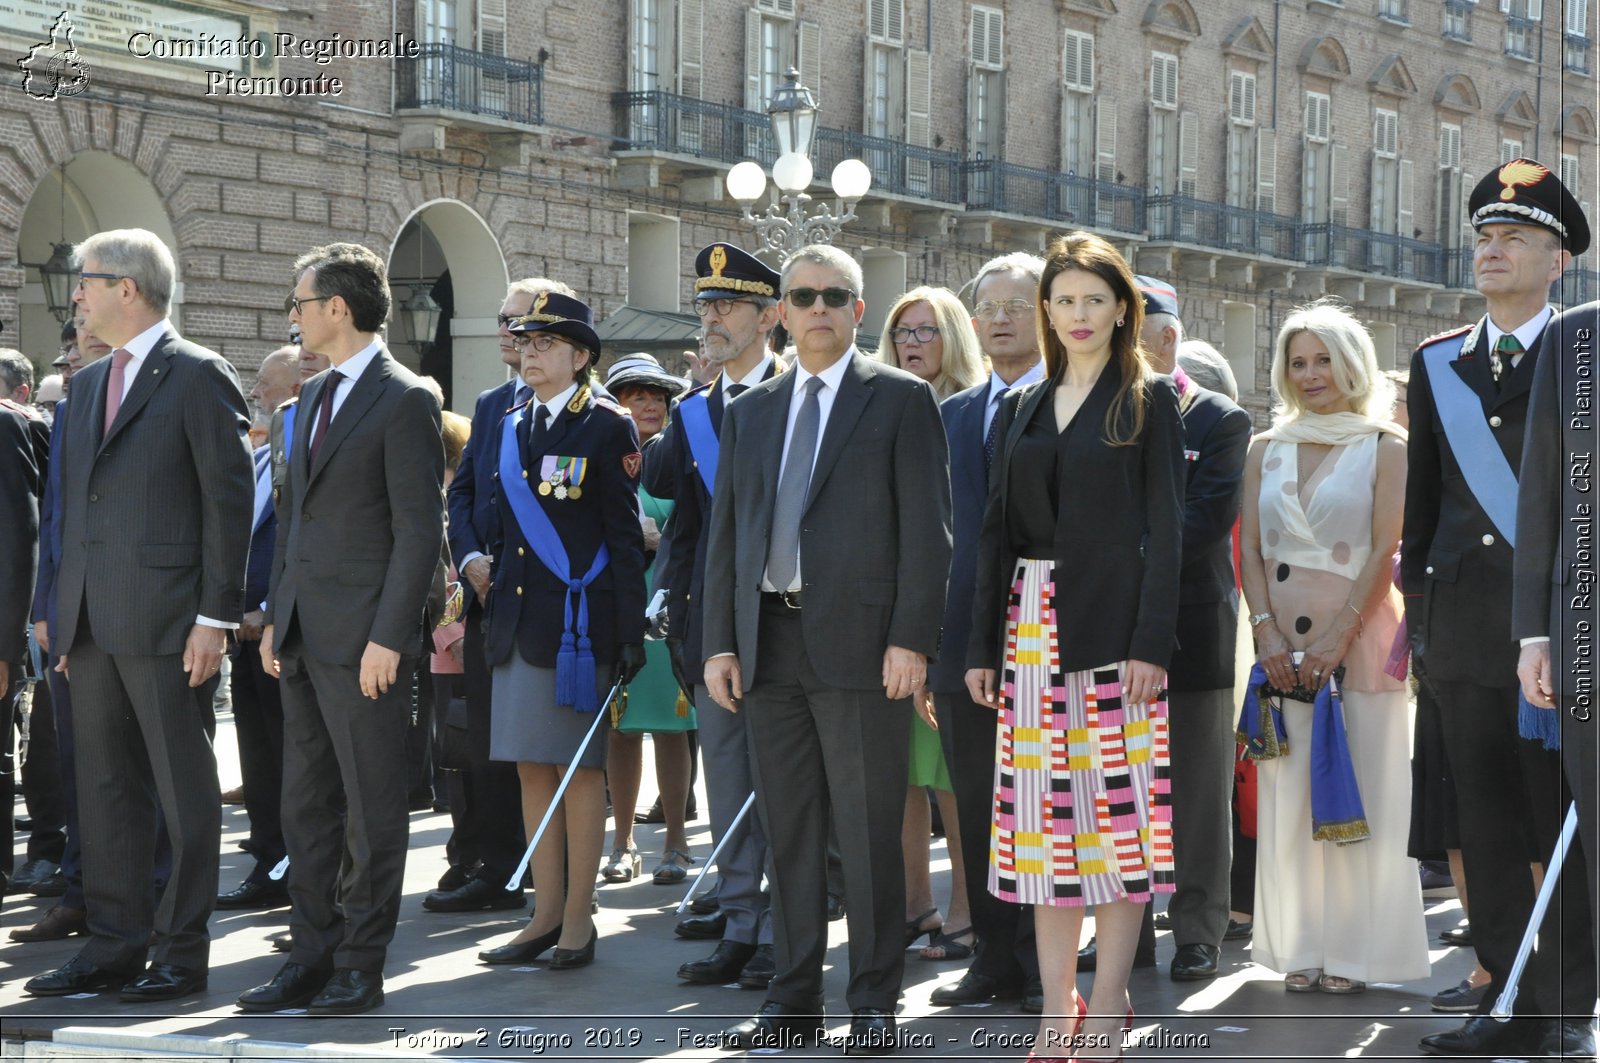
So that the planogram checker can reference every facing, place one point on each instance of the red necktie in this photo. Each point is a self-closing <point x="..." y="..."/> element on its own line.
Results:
<point x="325" y="411"/>
<point x="114" y="387"/>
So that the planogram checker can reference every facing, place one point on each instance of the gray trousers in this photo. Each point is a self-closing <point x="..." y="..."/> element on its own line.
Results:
<point x="143" y="754"/>
<point x="725" y="745"/>
<point x="344" y="804"/>
<point x="1200" y="728"/>
<point x="821" y="750"/>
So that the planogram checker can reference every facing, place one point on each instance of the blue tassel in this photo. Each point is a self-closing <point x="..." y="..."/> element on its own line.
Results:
<point x="588" y="696"/>
<point x="1538" y="725"/>
<point x="567" y="672"/>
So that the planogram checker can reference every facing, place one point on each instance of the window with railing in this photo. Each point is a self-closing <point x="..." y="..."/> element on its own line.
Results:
<point x="1457" y="19"/>
<point x="1575" y="54"/>
<point x="472" y="82"/>
<point x="1519" y="37"/>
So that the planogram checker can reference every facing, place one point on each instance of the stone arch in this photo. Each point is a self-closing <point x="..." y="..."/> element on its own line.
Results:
<point x="1172" y="18"/>
<point x="1577" y="123"/>
<point x="1325" y="56"/>
<point x="440" y="237"/>
<point x="90" y="192"/>
<point x="1457" y="92"/>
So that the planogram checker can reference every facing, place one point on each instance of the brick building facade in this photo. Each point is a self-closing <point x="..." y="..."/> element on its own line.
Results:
<point x="1255" y="154"/>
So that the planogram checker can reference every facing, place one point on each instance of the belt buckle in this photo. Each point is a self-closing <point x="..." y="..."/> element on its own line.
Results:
<point x="790" y="599"/>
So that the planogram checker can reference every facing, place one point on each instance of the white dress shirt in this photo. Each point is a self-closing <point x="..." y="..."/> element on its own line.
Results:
<point x="997" y="385"/>
<point x="831" y="378"/>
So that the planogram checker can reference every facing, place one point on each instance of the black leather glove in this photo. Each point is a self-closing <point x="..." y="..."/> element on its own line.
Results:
<point x="630" y="659"/>
<point x="681" y="674"/>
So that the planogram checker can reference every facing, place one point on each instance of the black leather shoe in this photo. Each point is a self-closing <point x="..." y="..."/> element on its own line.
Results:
<point x="454" y="878"/>
<point x="719" y="968"/>
<point x="568" y="959"/>
<point x="777" y="1025"/>
<point x="164" y="981"/>
<point x="835" y="908"/>
<point x="77" y="975"/>
<point x="872" y="1033"/>
<point x="294" y="986"/>
<point x="1033" y="996"/>
<point x="1482" y="1036"/>
<point x="1239" y="931"/>
<point x="521" y="951"/>
<point x="760" y="971"/>
<point x="974" y="988"/>
<point x="349" y="992"/>
<point x="705" y="905"/>
<point x="1089" y="957"/>
<point x="702" y="927"/>
<point x="248" y="894"/>
<point x="1460" y="936"/>
<point x="1568" y="1040"/>
<point x="1195" y="963"/>
<point x="477" y="895"/>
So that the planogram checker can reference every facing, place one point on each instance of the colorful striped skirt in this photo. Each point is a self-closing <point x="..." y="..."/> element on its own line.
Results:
<point x="1082" y="811"/>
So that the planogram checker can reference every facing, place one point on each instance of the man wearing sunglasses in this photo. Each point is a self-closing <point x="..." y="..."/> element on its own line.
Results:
<point x="145" y="594"/>
<point x="486" y="810"/>
<point x="825" y="585"/>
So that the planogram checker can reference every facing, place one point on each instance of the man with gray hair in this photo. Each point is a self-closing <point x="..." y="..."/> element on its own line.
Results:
<point x="1006" y="963"/>
<point x="145" y="596"/>
<point x="16" y="376"/>
<point x="486" y="808"/>
<point x="824" y="587"/>
<point x="1207" y="367"/>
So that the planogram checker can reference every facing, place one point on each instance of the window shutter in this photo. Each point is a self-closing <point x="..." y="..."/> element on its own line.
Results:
<point x="1317" y="108"/>
<point x="691" y="47"/>
<point x="987" y="37"/>
<point x="1386" y="133"/>
<point x="1510" y="149"/>
<point x="1449" y="147"/>
<point x="1078" y="62"/>
<point x="1569" y="172"/>
<point x="492" y="27"/>
<point x="1164" y="80"/>
<point x="919" y="118"/>
<point x="1188" y="156"/>
<point x="808" y="54"/>
<point x="1105" y="143"/>
<point x="1241" y="98"/>
<point x="1578" y="18"/>
<point x="1267" y="170"/>
<point x="1406" y="222"/>
<point x="895" y="25"/>
<point x="886" y="20"/>
<point x="752" y="62"/>
<point x="1338" y="185"/>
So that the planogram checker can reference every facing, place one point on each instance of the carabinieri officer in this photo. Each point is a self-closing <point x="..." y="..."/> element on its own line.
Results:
<point x="565" y="612"/>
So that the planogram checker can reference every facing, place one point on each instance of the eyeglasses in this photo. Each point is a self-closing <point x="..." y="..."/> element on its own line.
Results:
<point x="834" y="297"/>
<point x="298" y="305"/>
<point x="1013" y="308"/>
<point x="539" y="341"/>
<point x="99" y="277"/>
<point x="922" y="334"/>
<point x="723" y="307"/>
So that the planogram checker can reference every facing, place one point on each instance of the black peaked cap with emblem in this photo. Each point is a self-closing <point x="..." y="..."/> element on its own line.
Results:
<point x="723" y="271"/>
<point x="1526" y="192"/>
<point x="562" y="315"/>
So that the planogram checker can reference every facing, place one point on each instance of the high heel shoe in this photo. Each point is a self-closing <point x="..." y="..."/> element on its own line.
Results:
<point x="521" y="951"/>
<point x="1127" y="1025"/>
<point x="625" y="865"/>
<point x="915" y="929"/>
<point x="1082" y="1007"/>
<point x="566" y="959"/>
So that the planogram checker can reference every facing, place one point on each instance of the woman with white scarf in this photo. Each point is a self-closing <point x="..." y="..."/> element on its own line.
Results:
<point x="1337" y="900"/>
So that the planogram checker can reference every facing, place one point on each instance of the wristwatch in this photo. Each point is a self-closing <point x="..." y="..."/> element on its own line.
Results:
<point x="1257" y="618"/>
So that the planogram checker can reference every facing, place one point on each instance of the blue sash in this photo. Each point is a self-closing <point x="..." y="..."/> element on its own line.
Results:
<point x="575" y="679"/>
<point x="694" y="413"/>
<point x="1492" y="482"/>
<point x="288" y="428"/>
<point x="1483" y="464"/>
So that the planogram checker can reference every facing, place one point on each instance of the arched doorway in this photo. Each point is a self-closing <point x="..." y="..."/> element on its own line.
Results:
<point x="91" y="192"/>
<point x="445" y="250"/>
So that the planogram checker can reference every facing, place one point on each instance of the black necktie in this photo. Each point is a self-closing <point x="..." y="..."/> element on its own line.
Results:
<point x="325" y="411"/>
<point x="993" y="435"/>
<point x="735" y="390"/>
<point x="541" y="425"/>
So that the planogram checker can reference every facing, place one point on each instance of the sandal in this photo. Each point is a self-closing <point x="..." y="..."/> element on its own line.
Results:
<point x="624" y="866"/>
<point x="1306" y="981"/>
<point x="915" y="929"/>
<point x="670" y="872"/>
<point x="948" y="947"/>
<point x="1333" y="983"/>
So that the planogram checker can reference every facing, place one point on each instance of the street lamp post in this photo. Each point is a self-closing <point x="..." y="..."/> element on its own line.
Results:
<point x="793" y="226"/>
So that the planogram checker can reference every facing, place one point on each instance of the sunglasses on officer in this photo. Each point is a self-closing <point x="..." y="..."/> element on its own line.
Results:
<point x="833" y="297"/>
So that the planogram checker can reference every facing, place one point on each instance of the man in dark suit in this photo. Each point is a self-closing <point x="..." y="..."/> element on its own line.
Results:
<point x="736" y="296"/>
<point x="257" y="704"/>
<point x="1006" y="963"/>
<point x="1554" y="612"/>
<point x="487" y="842"/>
<point x="1201" y="708"/>
<point x="20" y="475"/>
<point x="825" y="583"/>
<point x="145" y="594"/>
<point x="1469" y="410"/>
<point x="361" y="526"/>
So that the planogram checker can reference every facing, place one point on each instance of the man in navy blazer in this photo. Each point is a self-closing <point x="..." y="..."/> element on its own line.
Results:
<point x="487" y="841"/>
<point x="1005" y="964"/>
<point x="1201" y="674"/>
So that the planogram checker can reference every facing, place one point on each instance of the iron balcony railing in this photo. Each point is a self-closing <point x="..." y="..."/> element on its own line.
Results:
<point x="1183" y="219"/>
<point x="1062" y="197"/>
<point x="460" y="79"/>
<point x="1365" y="251"/>
<point x="1576" y="286"/>
<point x="684" y="125"/>
<point x="897" y="168"/>
<point x="1458" y="268"/>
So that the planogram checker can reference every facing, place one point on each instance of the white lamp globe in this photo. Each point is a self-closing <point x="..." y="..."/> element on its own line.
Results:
<point x="851" y="179"/>
<point x="792" y="172"/>
<point x="746" y="182"/>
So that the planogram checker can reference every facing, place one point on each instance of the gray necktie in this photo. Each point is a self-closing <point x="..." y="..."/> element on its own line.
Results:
<point x="783" y="553"/>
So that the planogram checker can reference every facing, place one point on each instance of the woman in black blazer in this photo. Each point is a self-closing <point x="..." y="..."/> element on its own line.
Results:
<point x="1077" y="600"/>
<point x="565" y="614"/>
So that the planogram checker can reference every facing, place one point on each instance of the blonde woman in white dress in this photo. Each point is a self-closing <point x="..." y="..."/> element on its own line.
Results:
<point x="1324" y="495"/>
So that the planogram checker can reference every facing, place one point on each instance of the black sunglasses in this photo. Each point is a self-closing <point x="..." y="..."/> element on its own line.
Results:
<point x="834" y="297"/>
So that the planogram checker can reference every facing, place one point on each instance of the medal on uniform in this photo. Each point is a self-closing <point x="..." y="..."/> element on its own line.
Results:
<point x="544" y="486"/>
<point x="574" y="493"/>
<point x="576" y="471"/>
<point x="561" y="491"/>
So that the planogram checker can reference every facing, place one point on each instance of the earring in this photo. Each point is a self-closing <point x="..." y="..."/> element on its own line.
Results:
<point x="1119" y="322"/>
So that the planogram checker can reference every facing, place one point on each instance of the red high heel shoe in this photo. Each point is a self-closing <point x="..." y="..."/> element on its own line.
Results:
<point x="1083" y="1013"/>
<point x="1127" y="1025"/>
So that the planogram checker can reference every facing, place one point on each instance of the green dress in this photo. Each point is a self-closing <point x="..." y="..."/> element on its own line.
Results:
<point x="655" y="704"/>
